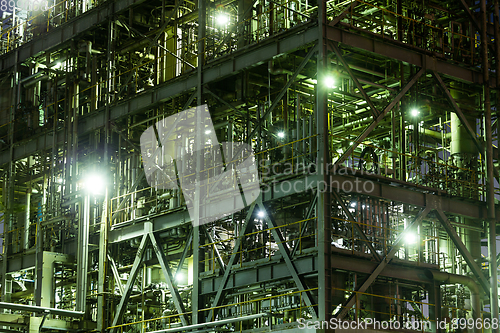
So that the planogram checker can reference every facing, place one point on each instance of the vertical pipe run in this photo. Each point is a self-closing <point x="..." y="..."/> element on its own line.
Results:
<point x="26" y="240"/>
<point x="82" y="254"/>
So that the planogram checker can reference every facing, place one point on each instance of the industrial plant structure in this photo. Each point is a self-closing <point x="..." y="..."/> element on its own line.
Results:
<point x="373" y="128"/>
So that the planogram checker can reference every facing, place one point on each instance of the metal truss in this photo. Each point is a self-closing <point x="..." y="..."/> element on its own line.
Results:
<point x="365" y="239"/>
<point x="338" y="52"/>
<point x="379" y="118"/>
<point x="285" y="253"/>
<point x="395" y="248"/>
<point x="146" y="238"/>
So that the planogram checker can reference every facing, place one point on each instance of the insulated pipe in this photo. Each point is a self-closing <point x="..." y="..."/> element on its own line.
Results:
<point x="26" y="240"/>
<point x="465" y="281"/>
<point x="212" y="323"/>
<point x="39" y="309"/>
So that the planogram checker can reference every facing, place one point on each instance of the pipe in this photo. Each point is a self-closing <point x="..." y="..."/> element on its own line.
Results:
<point x="277" y="71"/>
<point x="212" y="323"/>
<point x="434" y="134"/>
<point x="39" y="309"/>
<point x="466" y="281"/>
<point x="26" y="239"/>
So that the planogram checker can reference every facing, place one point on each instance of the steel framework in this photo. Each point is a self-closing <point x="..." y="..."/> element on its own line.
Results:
<point x="374" y="126"/>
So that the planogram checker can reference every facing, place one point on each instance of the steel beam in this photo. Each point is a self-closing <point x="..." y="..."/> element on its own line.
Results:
<point x="179" y="306"/>
<point x="353" y="221"/>
<point x="260" y="271"/>
<point x="463" y="251"/>
<point x="68" y="31"/>
<point x="381" y="116"/>
<point x="338" y="52"/>
<point x="83" y="254"/>
<point x="397" y="50"/>
<point x="285" y="253"/>
<point x="395" y="248"/>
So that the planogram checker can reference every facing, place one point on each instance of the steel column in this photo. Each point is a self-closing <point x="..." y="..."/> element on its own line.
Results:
<point x="324" y="222"/>
<point x="490" y="185"/>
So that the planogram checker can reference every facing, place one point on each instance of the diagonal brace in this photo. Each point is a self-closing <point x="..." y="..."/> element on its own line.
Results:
<point x="381" y="116"/>
<point x="351" y="218"/>
<point x="234" y="257"/>
<point x="130" y="282"/>
<point x="216" y="250"/>
<point x="463" y="251"/>
<point x="285" y="253"/>
<point x="458" y="111"/>
<point x="167" y="272"/>
<point x="338" y="52"/>
<point x="395" y="248"/>
<point x="114" y="270"/>
<point x="310" y="210"/>
<point x="185" y="252"/>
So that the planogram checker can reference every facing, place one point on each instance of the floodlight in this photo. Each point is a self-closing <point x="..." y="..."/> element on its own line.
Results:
<point x="94" y="184"/>
<point x="329" y="82"/>
<point x="222" y="19"/>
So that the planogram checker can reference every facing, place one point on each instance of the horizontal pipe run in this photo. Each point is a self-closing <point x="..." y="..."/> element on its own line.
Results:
<point x="212" y="323"/>
<point x="39" y="309"/>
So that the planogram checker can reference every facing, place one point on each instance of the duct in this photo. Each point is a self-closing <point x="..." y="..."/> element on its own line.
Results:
<point x="467" y="282"/>
<point x="212" y="323"/>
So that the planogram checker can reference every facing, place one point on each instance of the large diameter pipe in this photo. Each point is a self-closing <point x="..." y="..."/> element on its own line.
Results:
<point x="210" y="324"/>
<point x="466" y="281"/>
